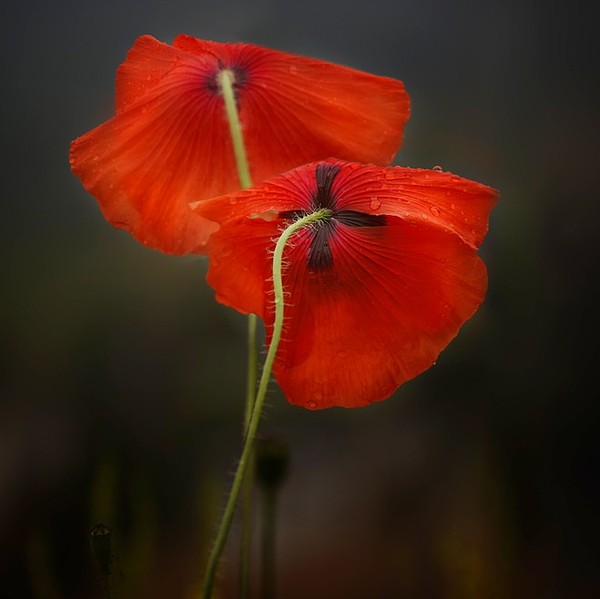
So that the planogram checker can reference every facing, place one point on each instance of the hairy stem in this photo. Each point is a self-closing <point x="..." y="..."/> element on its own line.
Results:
<point x="227" y="518"/>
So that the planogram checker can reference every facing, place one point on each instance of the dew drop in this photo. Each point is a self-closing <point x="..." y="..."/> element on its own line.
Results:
<point x="437" y="168"/>
<point x="435" y="211"/>
<point x="374" y="204"/>
<point x="317" y="395"/>
<point x="268" y="215"/>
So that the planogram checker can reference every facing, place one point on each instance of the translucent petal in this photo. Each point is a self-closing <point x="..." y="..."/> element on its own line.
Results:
<point x="393" y="292"/>
<point x="169" y="143"/>
<point x="392" y="301"/>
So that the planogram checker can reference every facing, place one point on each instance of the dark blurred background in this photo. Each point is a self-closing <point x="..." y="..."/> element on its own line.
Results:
<point x="123" y="380"/>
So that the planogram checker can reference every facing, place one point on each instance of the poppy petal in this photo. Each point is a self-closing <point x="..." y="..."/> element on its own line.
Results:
<point x="242" y="275"/>
<point x="316" y="110"/>
<point x="241" y="250"/>
<point x="169" y="142"/>
<point x="397" y="295"/>
<point x="149" y="161"/>
<point x="440" y="198"/>
<point x="147" y="62"/>
<point x="310" y="109"/>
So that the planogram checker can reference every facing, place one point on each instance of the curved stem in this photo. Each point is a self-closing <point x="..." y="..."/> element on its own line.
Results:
<point x="223" y="532"/>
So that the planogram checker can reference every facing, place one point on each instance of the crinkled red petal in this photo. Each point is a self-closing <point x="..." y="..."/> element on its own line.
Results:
<point x="443" y="199"/>
<point x="249" y="225"/>
<point x="394" y="296"/>
<point x="153" y="158"/>
<point x="168" y="145"/>
<point x="297" y="110"/>
<point x="241" y="250"/>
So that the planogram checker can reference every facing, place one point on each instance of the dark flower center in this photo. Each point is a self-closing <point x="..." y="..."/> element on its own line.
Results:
<point x="240" y="78"/>
<point x="319" y="254"/>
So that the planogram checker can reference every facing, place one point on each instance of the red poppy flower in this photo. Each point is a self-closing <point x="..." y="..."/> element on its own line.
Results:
<point x="169" y="142"/>
<point x="373" y="294"/>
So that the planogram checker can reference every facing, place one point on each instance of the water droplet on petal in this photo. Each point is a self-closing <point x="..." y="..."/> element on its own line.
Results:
<point x="317" y="396"/>
<point x="374" y="204"/>
<point x="268" y="215"/>
<point x="343" y="354"/>
<point x="435" y="211"/>
<point x="437" y="168"/>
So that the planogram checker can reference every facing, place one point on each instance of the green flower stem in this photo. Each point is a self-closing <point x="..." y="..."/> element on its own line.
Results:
<point x="226" y="80"/>
<point x="252" y="368"/>
<point x="248" y="483"/>
<point x="223" y="532"/>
